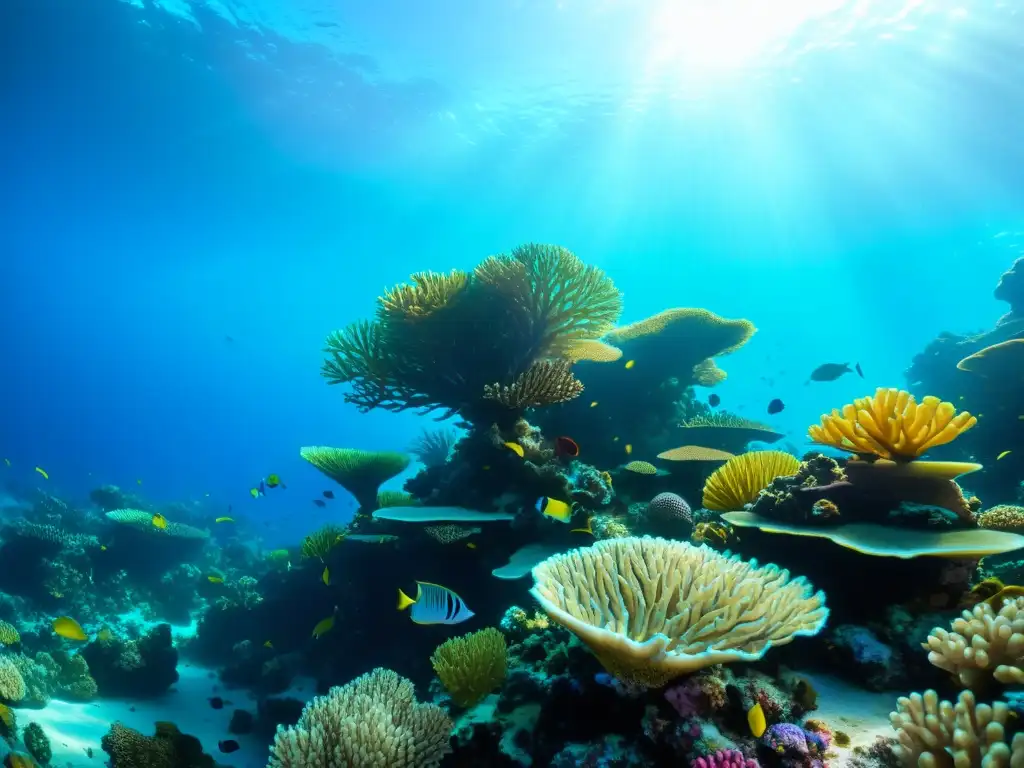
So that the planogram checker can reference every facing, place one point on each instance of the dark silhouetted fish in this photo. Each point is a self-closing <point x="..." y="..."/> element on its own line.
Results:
<point x="217" y="702"/>
<point x="328" y="494"/>
<point x="832" y="371"/>
<point x="776" y="406"/>
<point x="714" y="400"/>
<point x="227" y="746"/>
<point x="320" y="502"/>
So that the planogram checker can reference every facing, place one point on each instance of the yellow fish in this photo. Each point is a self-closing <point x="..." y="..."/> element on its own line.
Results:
<point x="629" y="448"/>
<point x="555" y="509"/>
<point x="594" y="404"/>
<point x="630" y="364"/>
<point x="69" y="629"/>
<point x="471" y="545"/>
<point x="224" y="520"/>
<point x="589" y="529"/>
<point x="159" y="521"/>
<point x="268" y="644"/>
<point x="42" y="472"/>
<point x="254" y="492"/>
<point x="756" y="721"/>
<point x="1001" y="455"/>
<point x="215" y="579"/>
<point x="516" y="448"/>
<point x="103" y="547"/>
<point x="325" y="577"/>
<point x="323" y="627"/>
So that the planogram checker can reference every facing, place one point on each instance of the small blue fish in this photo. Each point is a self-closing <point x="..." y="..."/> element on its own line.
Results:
<point x="434" y="604"/>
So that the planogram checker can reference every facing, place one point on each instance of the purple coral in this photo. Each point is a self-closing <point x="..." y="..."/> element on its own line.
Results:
<point x="724" y="758"/>
<point x="669" y="507"/>
<point x="686" y="698"/>
<point x="786" y="740"/>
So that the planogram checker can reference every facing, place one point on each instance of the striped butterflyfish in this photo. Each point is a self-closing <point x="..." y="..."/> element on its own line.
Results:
<point x="434" y="604"/>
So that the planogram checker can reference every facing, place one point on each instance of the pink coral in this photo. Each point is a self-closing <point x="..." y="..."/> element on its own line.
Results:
<point x="725" y="758"/>
<point x="669" y="507"/>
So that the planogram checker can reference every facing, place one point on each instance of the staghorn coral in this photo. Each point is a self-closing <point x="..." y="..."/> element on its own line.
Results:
<point x="653" y="609"/>
<point x="436" y="344"/>
<point x="12" y="685"/>
<point x="739" y="481"/>
<point x="547" y="382"/>
<point x="891" y="424"/>
<point x="1003" y="517"/>
<point x="471" y="666"/>
<point x="931" y="732"/>
<point x="361" y="473"/>
<point x="982" y="645"/>
<point x="143" y="521"/>
<point x="372" y="722"/>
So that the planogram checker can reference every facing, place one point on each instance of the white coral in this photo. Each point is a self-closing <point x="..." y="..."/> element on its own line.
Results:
<point x="982" y="644"/>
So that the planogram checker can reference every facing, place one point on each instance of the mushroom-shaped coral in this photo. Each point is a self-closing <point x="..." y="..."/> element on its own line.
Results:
<point x="892" y="424"/>
<point x="726" y="431"/>
<point x="739" y="481"/>
<point x="653" y="609"/>
<point x="933" y="732"/>
<point x="361" y="473"/>
<point x="143" y="521"/>
<point x="982" y="645"/>
<point x="374" y="720"/>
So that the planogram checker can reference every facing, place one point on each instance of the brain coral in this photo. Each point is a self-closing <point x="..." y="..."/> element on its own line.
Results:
<point x="653" y="609"/>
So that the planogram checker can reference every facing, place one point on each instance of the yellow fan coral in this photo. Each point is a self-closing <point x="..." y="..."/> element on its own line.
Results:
<point x="739" y="481"/>
<point x="374" y="720"/>
<point x="982" y="645"/>
<point x="471" y="666"/>
<point x="892" y="424"/>
<point x="360" y="473"/>
<point x="652" y="609"/>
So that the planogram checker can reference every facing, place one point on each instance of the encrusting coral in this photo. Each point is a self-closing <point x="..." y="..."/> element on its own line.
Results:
<point x="471" y="666"/>
<point x="439" y="343"/>
<point x="653" y="609"/>
<point x="361" y="473"/>
<point x="12" y="684"/>
<point x="982" y="645"/>
<point x="892" y="424"/>
<point x="167" y="748"/>
<point x="931" y="732"/>
<point x="739" y="481"/>
<point x="1003" y="517"/>
<point x="372" y="722"/>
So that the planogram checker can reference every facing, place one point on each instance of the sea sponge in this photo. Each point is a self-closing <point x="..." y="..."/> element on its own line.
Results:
<point x="892" y="424"/>
<point x="739" y="481"/>
<point x="361" y="473"/>
<point x="9" y="634"/>
<point x="372" y="722"/>
<point x="653" y="609"/>
<point x="931" y="732"/>
<point x="547" y="382"/>
<point x="1003" y="517"/>
<point x="983" y="644"/>
<point x="471" y="666"/>
<point x="12" y="684"/>
<point x="143" y="521"/>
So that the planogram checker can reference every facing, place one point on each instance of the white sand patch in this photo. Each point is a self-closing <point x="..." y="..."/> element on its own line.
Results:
<point x="862" y="715"/>
<point x="74" y="728"/>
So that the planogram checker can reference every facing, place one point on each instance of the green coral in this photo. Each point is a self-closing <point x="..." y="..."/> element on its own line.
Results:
<point x="446" y="340"/>
<point x="472" y="666"/>
<point x="361" y="473"/>
<point x="9" y="634"/>
<point x="167" y="748"/>
<point x="37" y="743"/>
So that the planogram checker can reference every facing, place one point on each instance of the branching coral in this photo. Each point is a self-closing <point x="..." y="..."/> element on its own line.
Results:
<point x="319" y="543"/>
<point x="547" y="382"/>
<point x="739" y="481"/>
<point x="934" y="732"/>
<point x="653" y="609"/>
<point x="892" y="424"/>
<point x="372" y="722"/>
<point x="434" y="446"/>
<point x="471" y="666"/>
<point x="436" y="344"/>
<point x="361" y="473"/>
<point x="982" y="645"/>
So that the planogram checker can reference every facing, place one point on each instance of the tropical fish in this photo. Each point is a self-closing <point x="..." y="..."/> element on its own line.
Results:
<point x="268" y="644"/>
<point x="434" y="604"/>
<point x="832" y="371"/>
<point x="714" y="400"/>
<point x="1001" y="455"/>
<point x="320" y="503"/>
<point x="69" y="629"/>
<point x="227" y="746"/>
<point x="215" y="579"/>
<point x="103" y="547"/>
<point x="277" y="554"/>
<point x="776" y="406"/>
<point x="257" y="492"/>
<point x="629" y="448"/>
<point x="216" y="702"/>
<point x="566" y="446"/>
<point x="43" y="472"/>
<point x="593" y="404"/>
<point x="471" y="545"/>
<point x="630" y="364"/>
<point x="224" y="520"/>
<point x="159" y="521"/>
<point x="325" y="577"/>
<point x="756" y="721"/>
<point x="589" y="529"/>
<point x="273" y="481"/>
<point x="555" y="509"/>
<point x="323" y="627"/>
<point x="328" y="494"/>
<point x="516" y="448"/>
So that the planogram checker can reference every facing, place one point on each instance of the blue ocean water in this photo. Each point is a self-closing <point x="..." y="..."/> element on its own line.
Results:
<point x="194" y="194"/>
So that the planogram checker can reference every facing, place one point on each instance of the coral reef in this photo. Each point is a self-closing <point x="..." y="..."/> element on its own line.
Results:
<point x="471" y="666"/>
<point x="143" y="667"/>
<point x="167" y="748"/>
